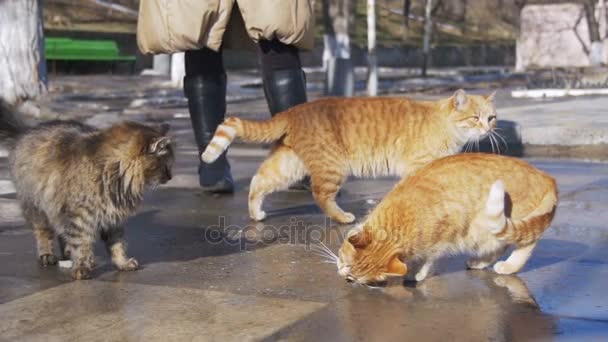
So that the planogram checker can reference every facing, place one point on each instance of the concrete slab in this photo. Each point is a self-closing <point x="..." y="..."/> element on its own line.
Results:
<point x="101" y="311"/>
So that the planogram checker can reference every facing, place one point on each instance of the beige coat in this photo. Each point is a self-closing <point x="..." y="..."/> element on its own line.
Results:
<point x="166" y="26"/>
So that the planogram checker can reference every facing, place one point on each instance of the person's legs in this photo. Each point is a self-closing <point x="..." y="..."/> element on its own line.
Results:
<point x="282" y="75"/>
<point x="205" y="89"/>
<point x="284" y="82"/>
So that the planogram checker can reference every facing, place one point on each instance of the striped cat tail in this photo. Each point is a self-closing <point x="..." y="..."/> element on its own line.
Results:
<point x="527" y="230"/>
<point x="495" y="208"/>
<point x="250" y="131"/>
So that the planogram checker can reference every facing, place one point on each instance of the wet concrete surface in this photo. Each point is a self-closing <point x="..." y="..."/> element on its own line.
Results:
<point x="208" y="273"/>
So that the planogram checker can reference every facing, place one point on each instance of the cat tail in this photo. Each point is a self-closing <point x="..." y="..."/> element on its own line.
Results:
<point x="494" y="212"/>
<point x="523" y="231"/>
<point x="250" y="131"/>
<point x="11" y="126"/>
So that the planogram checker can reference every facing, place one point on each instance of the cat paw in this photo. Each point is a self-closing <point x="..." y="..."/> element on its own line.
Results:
<point x="129" y="265"/>
<point x="80" y="273"/>
<point x="503" y="267"/>
<point x="474" y="264"/>
<point x="48" y="259"/>
<point x="258" y="216"/>
<point x="420" y="276"/>
<point x="346" y="218"/>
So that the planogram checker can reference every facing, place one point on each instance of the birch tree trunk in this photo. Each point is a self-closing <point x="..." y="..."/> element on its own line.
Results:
<point x="372" y="69"/>
<point x="22" y="64"/>
<point x="596" y="49"/>
<point x="338" y="15"/>
<point x="428" y="31"/>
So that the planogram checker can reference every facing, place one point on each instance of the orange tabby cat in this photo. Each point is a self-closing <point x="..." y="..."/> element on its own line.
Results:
<point x="475" y="203"/>
<point x="332" y="138"/>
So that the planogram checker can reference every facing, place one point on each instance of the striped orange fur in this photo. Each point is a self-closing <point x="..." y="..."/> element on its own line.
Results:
<point x="332" y="138"/>
<point x="472" y="203"/>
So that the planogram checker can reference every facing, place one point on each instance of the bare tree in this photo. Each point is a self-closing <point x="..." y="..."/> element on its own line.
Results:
<point x="22" y="63"/>
<point x="338" y="16"/>
<point x="407" y="7"/>
<point x="372" y="71"/>
<point x="428" y="31"/>
<point x="595" y="51"/>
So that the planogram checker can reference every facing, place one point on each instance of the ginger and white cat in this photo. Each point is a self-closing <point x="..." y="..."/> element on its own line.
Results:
<point x="471" y="203"/>
<point x="332" y="138"/>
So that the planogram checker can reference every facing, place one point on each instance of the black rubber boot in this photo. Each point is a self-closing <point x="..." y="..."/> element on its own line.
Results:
<point x="206" y="96"/>
<point x="284" y="89"/>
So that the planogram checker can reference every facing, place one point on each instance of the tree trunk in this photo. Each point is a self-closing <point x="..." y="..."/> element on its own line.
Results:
<point x="465" y="9"/>
<point x="407" y="6"/>
<point x="372" y="71"/>
<point x="338" y="15"/>
<point x="595" y="51"/>
<point x="22" y="64"/>
<point x="428" y="31"/>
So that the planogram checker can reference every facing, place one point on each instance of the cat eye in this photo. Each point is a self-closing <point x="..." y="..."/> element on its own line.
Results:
<point x="350" y="279"/>
<point x="476" y="117"/>
<point x="491" y="118"/>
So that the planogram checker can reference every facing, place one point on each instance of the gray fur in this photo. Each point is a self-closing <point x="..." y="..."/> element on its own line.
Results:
<point x="79" y="182"/>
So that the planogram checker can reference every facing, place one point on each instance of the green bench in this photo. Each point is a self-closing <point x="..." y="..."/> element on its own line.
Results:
<point x="67" y="49"/>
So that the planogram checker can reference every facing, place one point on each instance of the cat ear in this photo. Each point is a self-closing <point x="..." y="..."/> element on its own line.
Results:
<point x="459" y="99"/>
<point x="396" y="266"/>
<point x="360" y="239"/>
<point x="159" y="144"/>
<point x="491" y="96"/>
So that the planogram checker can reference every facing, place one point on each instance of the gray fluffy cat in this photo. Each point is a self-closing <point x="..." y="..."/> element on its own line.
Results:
<point x="78" y="181"/>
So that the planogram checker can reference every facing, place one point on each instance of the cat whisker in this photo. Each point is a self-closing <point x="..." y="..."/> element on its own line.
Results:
<point x="491" y="141"/>
<point x="501" y="138"/>
<point x="328" y="261"/>
<point x="494" y="136"/>
<point x="469" y="145"/>
<point x="322" y="248"/>
<point x="494" y="143"/>
<point x="324" y="254"/>
<point x="327" y="249"/>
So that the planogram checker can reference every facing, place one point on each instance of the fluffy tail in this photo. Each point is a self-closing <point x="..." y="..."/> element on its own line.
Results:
<point x="250" y="131"/>
<point x="10" y="124"/>
<point x="526" y="230"/>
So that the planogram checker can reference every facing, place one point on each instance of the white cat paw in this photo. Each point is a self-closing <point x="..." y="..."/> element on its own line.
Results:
<point x="129" y="265"/>
<point x="420" y="276"/>
<point x="347" y="218"/>
<point x="503" y="267"/>
<point x="474" y="264"/>
<point x="258" y="216"/>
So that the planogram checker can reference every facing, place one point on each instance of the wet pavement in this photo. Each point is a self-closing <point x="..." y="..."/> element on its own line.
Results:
<point x="208" y="273"/>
